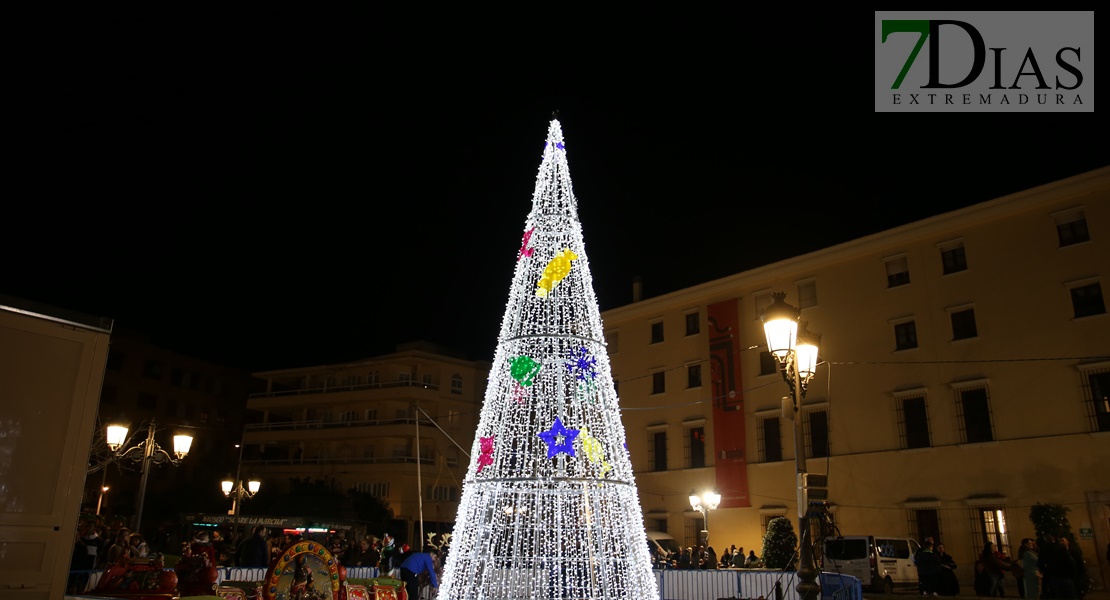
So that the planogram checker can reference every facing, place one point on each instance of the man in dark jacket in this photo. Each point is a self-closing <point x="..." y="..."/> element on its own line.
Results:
<point x="254" y="551"/>
<point x="928" y="568"/>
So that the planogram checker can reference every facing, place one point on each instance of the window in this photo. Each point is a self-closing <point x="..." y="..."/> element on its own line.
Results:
<point x="373" y="378"/>
<point x="657" y="332"/>
<point x="693" y="323"/>
<point x="456" y="384"/>
<point x="807" y="293"/>
<point x="348" y="416"/>
<point x="378" y="489"/>
<point x="1097" y="390"/>
<point x="147" y="400"/>
<point x="768" y="364"/>
<point x="693" y="376"/>
<point x="817" y="433"/>
<point x="404" y="377"/>
<point x="371" y="414"/>
<point x="116" y="360"/>
<point x="403" y="413"/>
<point x="695" y="447"/>
<point x="973" y="413"/>
<point x="108" y="394"/>
<point x="426" y="379"/>
<point x="963" y="324"/>
<point x="612" y="341"/>
<point x="765" y="518"/>
<point x="1071" y="227"/>
<point x="152" y="369"/>
<point x="176" y="377"/>
<point x="991" y="524"/>
<point x="658" y="382"/>
<point x="694" y="527"/>
<point x="443" y="493"/>
<point x="400" y="450"/>
<point x="351" y="380"/>
<point x="897" y="271"/>
<point x="454" y="419"/>
<point x="905" y="335"/>
<point x="925" y="522"/>
<point x="952" y="258"/>
<point x="1086" y="300"/>
<point x="657" y="446"/>
<point x="913" y="420"/>
<point x="770" y="439"/>
<point x="659" y="525"/>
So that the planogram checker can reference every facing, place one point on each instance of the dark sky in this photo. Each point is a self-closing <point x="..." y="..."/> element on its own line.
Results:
<point x="272" y="193"/>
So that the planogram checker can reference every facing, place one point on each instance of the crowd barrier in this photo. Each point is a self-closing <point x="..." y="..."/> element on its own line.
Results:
<point x="674" y="584"/>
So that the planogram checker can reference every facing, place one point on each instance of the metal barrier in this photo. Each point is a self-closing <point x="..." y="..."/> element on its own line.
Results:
<point x="713" y="584"/>
<point x="674" y="584"/>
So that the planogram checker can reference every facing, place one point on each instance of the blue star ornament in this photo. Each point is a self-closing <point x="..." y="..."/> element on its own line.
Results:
<point x="559" y="439"/>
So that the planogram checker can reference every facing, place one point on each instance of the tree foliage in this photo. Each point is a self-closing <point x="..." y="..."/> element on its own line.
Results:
<point x="779" y="544"/>
<point x="1052" y="519"/>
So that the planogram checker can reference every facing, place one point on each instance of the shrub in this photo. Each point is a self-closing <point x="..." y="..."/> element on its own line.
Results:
<point x="779" y="545"/>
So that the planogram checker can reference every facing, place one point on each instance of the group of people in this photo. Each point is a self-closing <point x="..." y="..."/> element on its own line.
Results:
<point x="96" y="546"/>
<point x="936" y="570"/>
<point x="1040" y="571"/>
<point x="1050" y="569"/>
<point x="704" y="557"/>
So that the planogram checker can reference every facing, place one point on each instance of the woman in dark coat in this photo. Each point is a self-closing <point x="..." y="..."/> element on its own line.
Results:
<point x="949" y="584"/>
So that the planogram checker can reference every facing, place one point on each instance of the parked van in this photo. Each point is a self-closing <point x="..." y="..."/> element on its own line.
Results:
<point x="882" y="563"/>
<point x="662" y="542"/>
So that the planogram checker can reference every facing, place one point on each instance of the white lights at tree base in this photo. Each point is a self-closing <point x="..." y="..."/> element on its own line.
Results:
<point x="549" y="505"/>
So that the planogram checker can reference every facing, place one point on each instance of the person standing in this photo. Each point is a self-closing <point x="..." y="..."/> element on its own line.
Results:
<point x="385" y="562"/>
<point x="948" y="584"/>
<point x="87" y="548"/>
<point x="254" y="551"/>
<point x="995" y="569"/>
<point x="1059" y="569"/>
<point x="413" y="566"/>
<point x="928" y="568"/>
<point x="1029" y="558"/>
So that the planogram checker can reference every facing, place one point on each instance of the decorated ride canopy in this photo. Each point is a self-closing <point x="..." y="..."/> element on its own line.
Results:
<point x="549" y="506"/>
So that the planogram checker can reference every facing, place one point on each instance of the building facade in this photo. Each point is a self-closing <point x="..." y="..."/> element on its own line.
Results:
<point x="398" y="426"/>
<point x="964" y="377"/>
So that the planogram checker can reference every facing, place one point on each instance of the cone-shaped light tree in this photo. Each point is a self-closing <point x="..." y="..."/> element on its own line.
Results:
<point x="549" y="505"/>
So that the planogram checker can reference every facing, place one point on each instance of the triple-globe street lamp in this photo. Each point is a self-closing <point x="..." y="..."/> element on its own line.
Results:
<point x="796" y="351"/>
<point x="147" y="452"/>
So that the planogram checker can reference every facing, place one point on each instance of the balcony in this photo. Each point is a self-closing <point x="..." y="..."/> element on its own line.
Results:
<point x="319" y="429"/>
<point x="285" y="398"/>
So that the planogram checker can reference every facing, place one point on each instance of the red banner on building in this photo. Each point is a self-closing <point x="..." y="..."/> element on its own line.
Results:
<point x="728" y="404"/>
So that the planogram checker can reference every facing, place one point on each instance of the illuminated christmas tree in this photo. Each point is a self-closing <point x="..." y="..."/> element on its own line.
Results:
<point x="549" y="505"/>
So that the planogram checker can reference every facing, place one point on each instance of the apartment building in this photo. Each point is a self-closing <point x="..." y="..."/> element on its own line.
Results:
<point x="398" y="426"/>
<point x="964" y="376"/>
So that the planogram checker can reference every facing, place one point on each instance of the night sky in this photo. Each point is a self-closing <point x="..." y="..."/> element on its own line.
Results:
<point x="270" y="196"/>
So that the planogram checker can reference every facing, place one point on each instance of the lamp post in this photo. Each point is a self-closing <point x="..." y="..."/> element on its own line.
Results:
<point x="796" y="352"/>
<point x="704" y="504"/>
<point x="234" y="489"/>
<point x="147" y="452"/>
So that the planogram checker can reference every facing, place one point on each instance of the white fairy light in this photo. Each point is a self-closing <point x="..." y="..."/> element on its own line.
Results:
<point x="549" y="505"/>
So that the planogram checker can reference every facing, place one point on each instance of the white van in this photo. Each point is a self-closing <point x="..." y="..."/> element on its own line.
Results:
<point x="662" y="543"/>
<point x="882" y="563"/>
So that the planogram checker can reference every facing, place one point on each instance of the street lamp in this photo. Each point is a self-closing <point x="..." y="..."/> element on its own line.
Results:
<point x="703" y="504"/>
<point x="234" y="489"/>
<point x="147" y="452"/>
<point x="100" y="499"/>
<point x="796" y="352"/>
